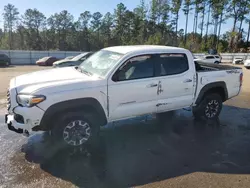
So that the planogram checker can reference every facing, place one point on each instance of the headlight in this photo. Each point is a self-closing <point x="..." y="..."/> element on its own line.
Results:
<point x="29" y="100"/>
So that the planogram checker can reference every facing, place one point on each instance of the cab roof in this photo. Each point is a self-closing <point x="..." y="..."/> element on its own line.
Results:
<point x="144" y="48"/>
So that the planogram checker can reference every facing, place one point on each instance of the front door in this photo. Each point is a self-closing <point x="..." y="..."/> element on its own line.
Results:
<point x="132" y="90"/>
<point x="176" y="82"/>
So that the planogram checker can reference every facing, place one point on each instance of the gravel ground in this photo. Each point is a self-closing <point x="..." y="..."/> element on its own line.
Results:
<point x="177" y="152"/>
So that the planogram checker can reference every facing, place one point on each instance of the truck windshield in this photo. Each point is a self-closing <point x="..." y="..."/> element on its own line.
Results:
<point x="100" y="62"/>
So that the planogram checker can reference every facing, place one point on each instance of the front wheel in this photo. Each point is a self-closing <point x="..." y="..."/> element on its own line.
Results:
<point x="76" y="129"/>
<point x="216" y="62"/>
<point x="209" y="108"/>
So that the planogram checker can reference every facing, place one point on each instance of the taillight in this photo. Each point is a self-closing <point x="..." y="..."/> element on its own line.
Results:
<point x="241" y="79"/>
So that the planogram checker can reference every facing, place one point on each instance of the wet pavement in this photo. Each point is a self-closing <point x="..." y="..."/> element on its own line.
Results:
<point x="175" y="151"/>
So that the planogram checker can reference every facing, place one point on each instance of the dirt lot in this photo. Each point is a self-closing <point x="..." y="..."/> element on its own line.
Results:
<point x="179" y="152"/>
<point x="9" y="72"/>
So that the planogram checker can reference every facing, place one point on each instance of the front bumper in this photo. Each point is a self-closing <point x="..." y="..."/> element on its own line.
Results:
<point x="8" y="120"/>
<point x="30" y="118"/>
<point x="21" y="119"/>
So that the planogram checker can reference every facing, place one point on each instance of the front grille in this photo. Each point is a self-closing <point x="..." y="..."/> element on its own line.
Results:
<point x="8" y="100"/>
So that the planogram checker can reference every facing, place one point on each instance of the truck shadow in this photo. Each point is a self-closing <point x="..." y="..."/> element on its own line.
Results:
<point x="149" y="151"/>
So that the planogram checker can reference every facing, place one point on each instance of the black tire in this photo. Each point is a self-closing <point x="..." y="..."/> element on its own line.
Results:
<point x="64" y="121"/>
<point x="216" y="62"/>
<point x="209" y="108"/>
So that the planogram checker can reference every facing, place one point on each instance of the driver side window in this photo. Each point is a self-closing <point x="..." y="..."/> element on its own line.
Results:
<point x="138" y="67"/>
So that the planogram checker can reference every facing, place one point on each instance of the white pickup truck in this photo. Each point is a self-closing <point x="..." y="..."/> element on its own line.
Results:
<point x="117" y="83"/>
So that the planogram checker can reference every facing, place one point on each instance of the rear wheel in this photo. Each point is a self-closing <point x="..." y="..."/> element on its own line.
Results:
<point x="216" y="62"/>
<point x="76" y="129"/>
<point x="209" y="108"/>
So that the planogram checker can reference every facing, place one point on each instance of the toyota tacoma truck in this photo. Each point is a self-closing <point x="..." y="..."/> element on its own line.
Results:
<point x="116" y="83"/>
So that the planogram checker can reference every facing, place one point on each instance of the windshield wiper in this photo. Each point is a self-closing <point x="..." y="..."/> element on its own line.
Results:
<point x="84" y="71"/>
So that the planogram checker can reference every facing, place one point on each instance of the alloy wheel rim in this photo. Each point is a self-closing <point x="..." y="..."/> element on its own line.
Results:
<point x="212" y="108"/>
<point x="76" y="133"/>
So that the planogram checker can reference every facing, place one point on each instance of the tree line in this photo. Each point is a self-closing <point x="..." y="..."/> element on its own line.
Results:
<point x="155" y="23"/>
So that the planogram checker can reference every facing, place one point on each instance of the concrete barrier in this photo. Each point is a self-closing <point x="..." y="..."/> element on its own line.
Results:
<point x="228" y="57"/>
<point x="20" y="57"/>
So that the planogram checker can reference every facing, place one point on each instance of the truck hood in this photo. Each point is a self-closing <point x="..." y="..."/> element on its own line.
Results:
<point x="31" y="82"/>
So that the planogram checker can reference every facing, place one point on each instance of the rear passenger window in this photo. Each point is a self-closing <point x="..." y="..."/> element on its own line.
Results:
<point x="171" y="64"/>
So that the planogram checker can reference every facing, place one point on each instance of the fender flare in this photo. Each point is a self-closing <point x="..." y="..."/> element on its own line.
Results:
<point x="210" y="87"/>
<point x="75" y="104"/>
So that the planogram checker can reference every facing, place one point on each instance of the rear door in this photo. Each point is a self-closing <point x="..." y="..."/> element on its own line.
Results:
<point x="176" y="86"/>
<point x="132" y="89"/>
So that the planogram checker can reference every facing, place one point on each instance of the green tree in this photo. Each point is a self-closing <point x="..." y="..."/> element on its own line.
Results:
<point x="96" y="21"/>
<point x="216" y="11"/>
<point x="153" y="11"/>
<point x="247" y="20"/>
<point x="140" y="14"/>
<point x="236" y="10"/>
<point x="223" y="16"/>
<point x="203" y="10"/>
<point x="243" y="13"/>
<point x="197" y="10"/>
<point x="1" y="37"/>
<point x="119" y="17"/>
<point x="34" y="21"/>
<point x="84" y="33"/>
<point x="21" y="40"/>
<point x="248" y="31"/>
<point x="106" y="29"/>
<point x="176" y="5"/>
<point x="61" y="23"/>
<point x="186" y="9"/>
<point x="207" y="26"/>
<point x="10" y="16"/>
<point x="84" y="19"/>
<point x="95" y="26"/>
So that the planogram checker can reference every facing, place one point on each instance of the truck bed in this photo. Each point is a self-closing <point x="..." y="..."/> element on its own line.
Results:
<point x="213" y="73"/>
<point x="206" y="67"/>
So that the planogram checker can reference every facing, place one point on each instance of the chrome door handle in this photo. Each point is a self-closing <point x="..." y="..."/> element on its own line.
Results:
<point x="187" y="80"/>
<point x="152" y="85"/>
